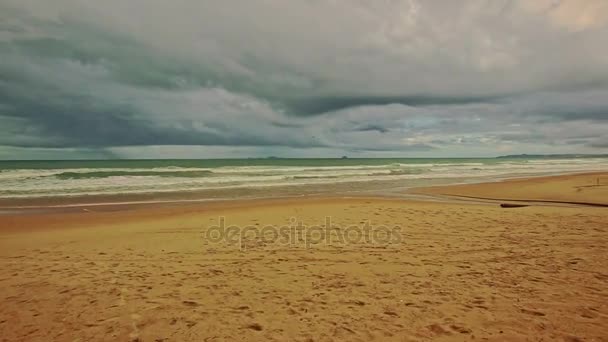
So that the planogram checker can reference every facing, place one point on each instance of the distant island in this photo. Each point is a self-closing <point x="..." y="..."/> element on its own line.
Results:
<point x="555" y="156"/>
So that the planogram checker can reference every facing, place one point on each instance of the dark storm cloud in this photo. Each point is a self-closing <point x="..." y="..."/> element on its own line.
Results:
<point x="63" y="122"/>
<point x="346" y="75"/>
<point x="319" y="105"/>
<point x="372" y="127"/>
<point x="131" y="62"/>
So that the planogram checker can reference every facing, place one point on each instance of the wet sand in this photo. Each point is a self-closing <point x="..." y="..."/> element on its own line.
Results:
<point x="388" y="270"/>
<point x="584" y="188"/>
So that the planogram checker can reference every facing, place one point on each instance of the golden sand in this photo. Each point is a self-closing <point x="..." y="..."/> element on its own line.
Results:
<point x="457" y="272"/>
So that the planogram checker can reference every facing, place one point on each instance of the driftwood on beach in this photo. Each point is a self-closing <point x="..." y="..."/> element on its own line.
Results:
<point x="511" y="205"/>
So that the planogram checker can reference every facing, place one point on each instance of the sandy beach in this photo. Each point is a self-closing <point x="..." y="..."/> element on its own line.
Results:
<point x="271" y="270"/>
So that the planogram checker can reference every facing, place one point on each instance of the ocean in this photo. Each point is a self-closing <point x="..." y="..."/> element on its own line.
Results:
<point x="36" y="179"/>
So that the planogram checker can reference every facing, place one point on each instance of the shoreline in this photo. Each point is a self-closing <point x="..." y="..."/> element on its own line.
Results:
<point x="475" y="194"/>
<point x="368" y="189"/>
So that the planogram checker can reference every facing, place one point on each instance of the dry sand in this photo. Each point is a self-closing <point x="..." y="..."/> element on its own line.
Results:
<point x="459" y="272"/>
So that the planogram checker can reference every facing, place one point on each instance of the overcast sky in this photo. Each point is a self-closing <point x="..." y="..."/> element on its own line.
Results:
<point x="305" y="78"/>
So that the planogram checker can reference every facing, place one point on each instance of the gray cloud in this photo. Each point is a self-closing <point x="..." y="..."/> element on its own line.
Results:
<point x="358" y="76"/>
<point x="601" y="142"/>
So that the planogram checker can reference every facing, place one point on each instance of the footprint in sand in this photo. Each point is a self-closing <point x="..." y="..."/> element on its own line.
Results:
<point x="532" y="312"/>
<point x="122" y="301"/>
<point x="460" y="329"/>
<point x="254" y="326"/>
<point x="190" y="303"/>
<point x="134" y="335"/>
<point x="438" y="329"/>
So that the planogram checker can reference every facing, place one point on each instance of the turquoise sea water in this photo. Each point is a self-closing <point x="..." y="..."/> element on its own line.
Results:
<point x="25" y="179"/>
